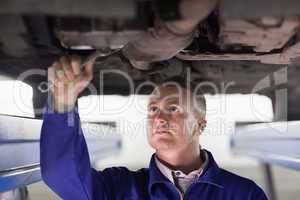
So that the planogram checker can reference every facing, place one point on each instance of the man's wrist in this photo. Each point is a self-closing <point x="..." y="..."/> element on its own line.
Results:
<point x="63" y="108"/>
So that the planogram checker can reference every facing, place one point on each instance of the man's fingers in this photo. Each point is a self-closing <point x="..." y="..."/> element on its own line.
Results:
<point x="59" y="72"/>
<point x="66" y="76"/>
<point x="88" y="69"/>
<point x="75" y="63"/>
<point x="85" y="77"/>
<point x="66" y="66"/>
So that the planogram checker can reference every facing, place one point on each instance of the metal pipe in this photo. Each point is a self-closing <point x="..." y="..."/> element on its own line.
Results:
<point x="269" y="181"/>
<point x="167" y="38"/>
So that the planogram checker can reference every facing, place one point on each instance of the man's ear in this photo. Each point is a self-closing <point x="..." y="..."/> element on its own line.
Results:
<point x="201" y="125"/>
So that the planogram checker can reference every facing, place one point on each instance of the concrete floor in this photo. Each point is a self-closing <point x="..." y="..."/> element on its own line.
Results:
<point x="286" y="182"/>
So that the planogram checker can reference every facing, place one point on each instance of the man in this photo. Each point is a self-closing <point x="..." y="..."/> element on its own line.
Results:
<point x="179" y="169"/>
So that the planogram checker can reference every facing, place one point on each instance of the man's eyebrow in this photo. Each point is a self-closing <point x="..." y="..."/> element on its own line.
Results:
<point x="151" y="103"/>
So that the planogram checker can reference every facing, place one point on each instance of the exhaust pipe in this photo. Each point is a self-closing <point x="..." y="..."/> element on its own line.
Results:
<point x="167" y="38"/>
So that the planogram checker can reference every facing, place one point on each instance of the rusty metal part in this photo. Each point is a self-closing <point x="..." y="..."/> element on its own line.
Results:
<point x="157" y="44"/>
<point x="273" y="41"/>
<point x="264" y="34"/>
<point x="166" y="39"/>
<point x="275" y="58"/>
<point x="96" y="39"/>
<point x="96" y="33"/>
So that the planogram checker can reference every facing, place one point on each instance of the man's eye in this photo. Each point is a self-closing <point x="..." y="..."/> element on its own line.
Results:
<point x="152" y="110"/>
<point x="173" y="109"/>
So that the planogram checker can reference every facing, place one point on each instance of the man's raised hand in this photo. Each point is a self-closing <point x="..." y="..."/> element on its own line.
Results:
<point x="68" y="80"/>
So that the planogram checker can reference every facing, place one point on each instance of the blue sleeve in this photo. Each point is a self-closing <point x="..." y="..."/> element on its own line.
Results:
<point x="257" y="193"/>
<point x="65" y="163"/>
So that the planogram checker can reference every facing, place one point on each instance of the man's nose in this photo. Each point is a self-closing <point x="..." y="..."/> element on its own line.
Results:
<point x="161" y="118"/>
<point x="160" y="121"/>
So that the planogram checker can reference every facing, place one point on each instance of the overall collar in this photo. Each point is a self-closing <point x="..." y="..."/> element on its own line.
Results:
<point x="171" y="174"/>
<point x="210" y="174"/>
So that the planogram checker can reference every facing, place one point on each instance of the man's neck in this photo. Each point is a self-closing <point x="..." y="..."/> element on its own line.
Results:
<point x="186" y="160"/>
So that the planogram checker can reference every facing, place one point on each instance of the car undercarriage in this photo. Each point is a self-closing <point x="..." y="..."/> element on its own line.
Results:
<point x="228" y="45"/>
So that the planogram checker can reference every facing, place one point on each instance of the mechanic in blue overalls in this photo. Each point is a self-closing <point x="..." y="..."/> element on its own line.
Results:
<point x="179" y="169"/>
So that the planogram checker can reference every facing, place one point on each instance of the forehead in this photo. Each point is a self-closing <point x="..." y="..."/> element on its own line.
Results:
<point x="169" y="94"/>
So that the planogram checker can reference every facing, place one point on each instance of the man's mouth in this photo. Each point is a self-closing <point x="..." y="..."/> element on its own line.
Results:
<point x="163" y="131"/>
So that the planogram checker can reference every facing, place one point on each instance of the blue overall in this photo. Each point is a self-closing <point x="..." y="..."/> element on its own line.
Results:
<point x="66" y="169"/>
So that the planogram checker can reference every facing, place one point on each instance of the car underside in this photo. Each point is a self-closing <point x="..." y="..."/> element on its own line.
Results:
<point x="229" y="45"/>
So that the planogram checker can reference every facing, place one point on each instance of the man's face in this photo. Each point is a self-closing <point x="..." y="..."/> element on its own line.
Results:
<point x="171" y="122"/>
